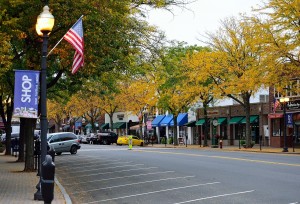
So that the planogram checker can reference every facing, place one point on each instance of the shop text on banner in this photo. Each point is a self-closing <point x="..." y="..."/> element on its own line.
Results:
<point x="26" y="93"/>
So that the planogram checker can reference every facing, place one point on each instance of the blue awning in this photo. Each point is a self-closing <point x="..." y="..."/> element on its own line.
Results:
<point x="167" y="120"/>
<point x="182" y="119"/>
<point x="156" y="122"/>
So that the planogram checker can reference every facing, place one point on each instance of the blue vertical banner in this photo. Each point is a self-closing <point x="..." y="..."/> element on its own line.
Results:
<point x="26" y="93"/>
<point x="289" y="119"/>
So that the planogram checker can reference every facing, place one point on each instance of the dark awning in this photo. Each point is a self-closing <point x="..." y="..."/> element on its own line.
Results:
<point x="253" y="119"/>
<point x="104" y="126"/>
<point x="119" y="125"/>
<point x="182" y="119"/>
<point x="66" y="127"/>
<point x="167" y="120"/>
<point x="235" y="120"/>
<point x="190" y="124"/>
<point x="200" y="122"/>
<point x="221" y="121"/>
<point x="156" y="122"/>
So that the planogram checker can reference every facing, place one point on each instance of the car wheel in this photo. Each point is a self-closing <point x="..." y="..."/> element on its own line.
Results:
<point x="58" y="153"/>
<point x="142" y="144"/>
<point x="73" y="149"/>
<point x="105" y="142"/>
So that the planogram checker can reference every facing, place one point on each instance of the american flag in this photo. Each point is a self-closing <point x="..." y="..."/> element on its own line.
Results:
<point x="75" y="37"/>
<point x="276" y="104"/>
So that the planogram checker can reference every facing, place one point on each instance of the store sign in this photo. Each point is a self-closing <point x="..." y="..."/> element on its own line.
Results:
<point x="293" y="105"/>
<point x="26" y="93"/>
<point x="212" y="113"/>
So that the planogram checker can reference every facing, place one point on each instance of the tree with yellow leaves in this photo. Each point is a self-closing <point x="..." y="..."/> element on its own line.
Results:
<point x="277" y="26"/>
<point x="235" y="64"/>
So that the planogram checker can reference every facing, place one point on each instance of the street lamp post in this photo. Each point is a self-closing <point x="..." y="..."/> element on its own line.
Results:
<point x="45" y="23"/>
<point x="284" y="102"/>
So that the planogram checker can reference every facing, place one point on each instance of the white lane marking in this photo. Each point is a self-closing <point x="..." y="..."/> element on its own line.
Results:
<point x="93" y="164"/>
<point x="112" y="172"/>
<point x="112" y="167"/>
<point x="152" y="192"/>
<point x="83" y="163"/>
<point x="217" y="196"/>
<point x="71" y="160"/>
<point x="131" y="184"/>
<point x="152" y="173"/>
<point x="293" y="203"/>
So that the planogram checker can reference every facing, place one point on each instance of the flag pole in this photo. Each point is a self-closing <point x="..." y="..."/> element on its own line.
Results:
<point x="62" y="37"/>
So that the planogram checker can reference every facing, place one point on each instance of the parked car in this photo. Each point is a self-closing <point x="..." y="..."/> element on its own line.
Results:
<point x="106" y="138"/>
<point x="90" y="137"/>
<point x="13" y="137"/>
<point x="63" y="142"/>
<point x="84" y="139"/>
<point x="136" y="141"/>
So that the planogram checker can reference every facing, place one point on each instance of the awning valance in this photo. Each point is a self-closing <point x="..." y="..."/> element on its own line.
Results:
<point x="182" y="118"/>
<point x="119" y="125"/>
<point x="200" y="122"/>
<point x="253" y="119"/>
<point x="221" y="121"/>
<point x="104" y="126"/>
<point x="275" y="115"/>
<point x="190" y="124"/>
<point x="167" y="120"/>
<point x="235" y="120"/>
<point x="156" y="122"/>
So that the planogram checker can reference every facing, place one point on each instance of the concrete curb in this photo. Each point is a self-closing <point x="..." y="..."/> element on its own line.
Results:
<point x="63" y="191"/>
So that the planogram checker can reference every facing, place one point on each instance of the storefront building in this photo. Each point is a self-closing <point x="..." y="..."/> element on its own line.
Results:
<point x="284" y="119"/>
<point x="229" y="124"/>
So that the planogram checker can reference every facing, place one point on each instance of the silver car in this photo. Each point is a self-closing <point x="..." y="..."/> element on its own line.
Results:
<point x="63" y="142"/>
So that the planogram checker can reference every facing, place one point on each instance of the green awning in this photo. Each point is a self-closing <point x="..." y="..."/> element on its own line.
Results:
<point x="253" y="119"/>
<point x="104" y="126"/>
<point x="200" y="122"/>
<point x="235" y="120"/>
<point x="190" y="124"/>
<point x="119" y="125"/>
<point x="88" y="126"/>
<point x="221" y="121"/>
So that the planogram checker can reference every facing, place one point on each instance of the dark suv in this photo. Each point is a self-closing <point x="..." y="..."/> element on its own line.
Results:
<point x="105" y="138"/>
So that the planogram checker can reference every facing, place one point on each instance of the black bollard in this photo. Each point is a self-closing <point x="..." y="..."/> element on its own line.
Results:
<point x="51" y="152"/>
<point x="47" y="182"/>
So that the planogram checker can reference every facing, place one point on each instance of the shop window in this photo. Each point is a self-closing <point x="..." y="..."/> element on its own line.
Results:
<point x="276" y="127"/>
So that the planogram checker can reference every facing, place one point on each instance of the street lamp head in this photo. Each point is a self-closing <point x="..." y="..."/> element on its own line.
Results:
<point x="45" y="21"/>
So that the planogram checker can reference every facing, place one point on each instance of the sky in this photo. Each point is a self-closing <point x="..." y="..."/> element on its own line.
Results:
<point x="203" y="15"/>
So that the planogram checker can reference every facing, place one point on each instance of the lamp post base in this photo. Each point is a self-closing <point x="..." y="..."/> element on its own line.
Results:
<point x="38" y="195"/>
<point x="285" y="149"/>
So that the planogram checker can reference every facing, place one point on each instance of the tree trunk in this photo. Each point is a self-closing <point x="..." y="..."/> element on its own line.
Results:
<point x="29" y="132"/>
<point x="22" y="141"/>
<point x="246" y="99"/>
<point x="206" y="124"/>
<point x="175" y="140"/>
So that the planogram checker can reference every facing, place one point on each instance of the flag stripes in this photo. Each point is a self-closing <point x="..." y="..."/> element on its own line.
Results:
<point x="75" y="37"/>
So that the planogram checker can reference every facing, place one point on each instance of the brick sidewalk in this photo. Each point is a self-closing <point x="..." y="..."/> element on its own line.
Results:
<point x="18" y="187"/>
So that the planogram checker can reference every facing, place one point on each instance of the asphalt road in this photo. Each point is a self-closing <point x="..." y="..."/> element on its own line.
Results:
<point x="114" y="174"/>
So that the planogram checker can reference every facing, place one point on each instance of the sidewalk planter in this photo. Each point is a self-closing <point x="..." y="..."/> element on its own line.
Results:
<point x="243" y="143"/>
